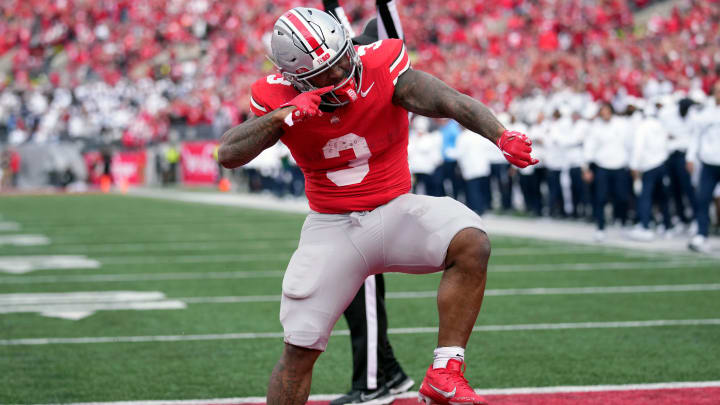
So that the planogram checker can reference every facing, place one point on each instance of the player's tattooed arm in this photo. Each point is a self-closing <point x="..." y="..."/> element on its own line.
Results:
<point x="242" y="143"/>
<point x="425" y="94"/>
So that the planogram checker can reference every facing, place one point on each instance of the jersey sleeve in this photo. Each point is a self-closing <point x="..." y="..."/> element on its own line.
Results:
<point x="259" y="91"/>
<point x="400" y="62"/>
<point x="388" y="54"/>
<point x="269" y="93"/>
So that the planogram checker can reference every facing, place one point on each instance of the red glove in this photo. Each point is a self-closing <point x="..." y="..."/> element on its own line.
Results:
<point x="306" y="106"/>
<point x="516" y="148"/>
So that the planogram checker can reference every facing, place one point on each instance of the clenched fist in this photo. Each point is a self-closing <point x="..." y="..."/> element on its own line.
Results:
<point x="515" y="146"/>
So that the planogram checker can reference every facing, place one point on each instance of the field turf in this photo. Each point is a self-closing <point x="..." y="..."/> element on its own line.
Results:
<point x="225" y="264"/>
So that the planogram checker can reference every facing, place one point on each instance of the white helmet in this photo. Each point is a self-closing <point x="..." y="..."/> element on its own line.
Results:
<point x="305" y="43"/>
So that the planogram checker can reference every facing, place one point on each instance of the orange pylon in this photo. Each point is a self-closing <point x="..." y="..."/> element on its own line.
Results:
<point x="224" y="185"/>
<point x="105" y="183"/>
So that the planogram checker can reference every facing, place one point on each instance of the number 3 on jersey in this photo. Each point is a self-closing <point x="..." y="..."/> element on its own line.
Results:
<point x="359" y="166"/>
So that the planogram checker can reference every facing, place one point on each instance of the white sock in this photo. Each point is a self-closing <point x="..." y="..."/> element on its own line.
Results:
<point x="443" y="354"/>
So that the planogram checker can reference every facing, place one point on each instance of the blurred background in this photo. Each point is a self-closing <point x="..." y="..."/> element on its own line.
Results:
<point x="102" y="94"/>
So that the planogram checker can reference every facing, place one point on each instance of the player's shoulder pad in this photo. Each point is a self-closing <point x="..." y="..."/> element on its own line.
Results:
<point x="381" y="53"/>
<point x="270" y="92"/>
<point x="387" y="54"/>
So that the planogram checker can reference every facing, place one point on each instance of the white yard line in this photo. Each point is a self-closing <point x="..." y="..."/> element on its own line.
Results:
<point x="122" y="278"/>
<point x="24" y="240"/>
<point x="501" y="268"/>
<point x="293" y="243"/>
<point x="413" y="394"/>
<point x="179" y="259"/>
<point x="490" y="292"/>
<point x="9" y="226"/>
<point x="509" y="268"/>
<point x="272" y="253"/>
<point x="392" y="331"/>
<point x="177" y="246"/>
<point x="542" y="229"/>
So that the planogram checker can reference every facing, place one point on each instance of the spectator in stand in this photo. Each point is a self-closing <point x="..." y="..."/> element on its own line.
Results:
<point x="193" y="48"/>
<point x="608" y="146"/>
<point x="706" y="146"/>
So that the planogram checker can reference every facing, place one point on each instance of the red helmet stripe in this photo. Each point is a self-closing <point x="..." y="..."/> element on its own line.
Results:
<point x="305" y="33"/>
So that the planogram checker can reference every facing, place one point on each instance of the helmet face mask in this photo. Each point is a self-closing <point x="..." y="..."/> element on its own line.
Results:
<point x="306" y="44"/>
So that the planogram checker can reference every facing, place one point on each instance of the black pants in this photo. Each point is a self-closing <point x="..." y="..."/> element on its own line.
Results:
<point x="709" y="177"/>
<point x="580" y="193"/>
<point x="653" y="190"/>
<point x="373" y="358"/>
<point x="681" y="188"/>
<point x="451" y="175"/>
<point x="530" y="187"/>
<point x="430" y="183"/>
<point x="477" y="191"/>
<point x="500" y="174"/>
<point x="556" y="201"/>
<point x="615" y="182"/>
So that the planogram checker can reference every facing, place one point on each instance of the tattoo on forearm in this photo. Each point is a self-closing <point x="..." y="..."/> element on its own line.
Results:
<point x="244" y="142"/>
<point x="424" y="94"/>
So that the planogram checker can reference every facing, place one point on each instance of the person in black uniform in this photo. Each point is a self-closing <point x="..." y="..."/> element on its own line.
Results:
<point x="377" y="375"/>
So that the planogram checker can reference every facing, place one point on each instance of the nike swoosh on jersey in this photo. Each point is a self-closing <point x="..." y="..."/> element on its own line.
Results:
<point x="364" y="93"/>
<point x="444" y="393"/>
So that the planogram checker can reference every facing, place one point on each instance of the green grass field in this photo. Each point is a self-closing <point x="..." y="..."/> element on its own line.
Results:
<point x="195" y="254"/>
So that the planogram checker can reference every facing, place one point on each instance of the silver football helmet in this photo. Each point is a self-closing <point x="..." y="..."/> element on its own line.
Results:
<point x="307" y="42"/>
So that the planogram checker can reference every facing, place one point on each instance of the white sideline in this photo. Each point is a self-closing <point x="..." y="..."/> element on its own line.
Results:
<point x="392" y="331"/>
<point x="413" y="394"/>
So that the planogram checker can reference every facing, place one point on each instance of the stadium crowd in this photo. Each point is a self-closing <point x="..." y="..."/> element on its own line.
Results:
<point x="123" y="72"/>
<point x="126" y="69"/>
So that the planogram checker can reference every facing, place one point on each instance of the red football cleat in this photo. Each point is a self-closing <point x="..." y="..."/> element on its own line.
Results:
<point x="447" y="386"/>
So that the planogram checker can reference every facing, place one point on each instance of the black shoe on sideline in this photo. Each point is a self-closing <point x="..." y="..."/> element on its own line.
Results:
<point x="380" y="396"/>
<point x="399" y="383"/>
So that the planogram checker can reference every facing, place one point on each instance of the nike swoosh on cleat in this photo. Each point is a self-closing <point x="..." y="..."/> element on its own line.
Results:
<point x="370" y="397"/>
<point x="364" y="93"/>
<point x="446" y="394"/>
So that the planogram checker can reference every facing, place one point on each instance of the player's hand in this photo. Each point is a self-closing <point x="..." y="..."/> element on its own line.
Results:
<point x="515" y="146"/>
<point x="307" y="105"/>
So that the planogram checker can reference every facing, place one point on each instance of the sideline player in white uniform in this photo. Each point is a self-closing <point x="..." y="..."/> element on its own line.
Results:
<point x="648" y="163"/>
<point x="474" y="163"/>
<point x="343" y="113"/>
<point x="608" y="145"/>
<point x="425" y="156"/>
<point x="706" y="148"/>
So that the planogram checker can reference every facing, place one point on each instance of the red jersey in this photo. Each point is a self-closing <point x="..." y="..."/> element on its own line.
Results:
<point x="354" y="158"/>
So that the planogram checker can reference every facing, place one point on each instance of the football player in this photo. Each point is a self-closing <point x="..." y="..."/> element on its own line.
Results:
<point x="377" y="375"/>
<point x="343" y="113"/>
